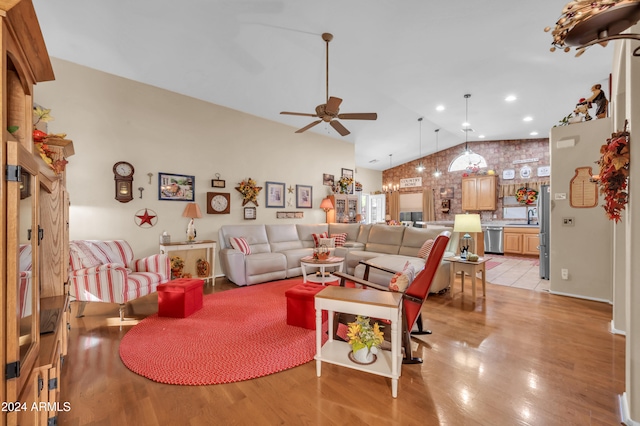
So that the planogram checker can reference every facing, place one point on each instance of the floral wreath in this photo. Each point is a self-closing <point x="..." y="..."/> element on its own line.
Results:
<point x="526" y="195"/>
<point x="614" y="170"/>
<point x="249" y="191"/>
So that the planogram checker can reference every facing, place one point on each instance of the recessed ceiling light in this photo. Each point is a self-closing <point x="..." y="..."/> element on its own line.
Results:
<point x="510" y="98"/>
<point x="440" y="108"/>
<point x="481" y="136"/>
<point x="465" y="124"/>
<point x="527" y="118"/>
<point x="534" y="133"/>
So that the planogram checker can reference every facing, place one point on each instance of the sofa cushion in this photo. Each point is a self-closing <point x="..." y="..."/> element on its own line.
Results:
<point x="328" y="242"/>
<point x="363" y="234"/>
<point x="317" y="237"/>
<point x="385" y="239"/>
<point x="339" y="238"/>
<point x="414" y="238"/>
<point x="351" y="229"/>
<point x="426" y="249"/>
<point x="401" y="280"/>
<point x="305" y="231"/>
<point x="240" y="244"/>
<point x="283" y="237"/>
<point x="256" y="236"/>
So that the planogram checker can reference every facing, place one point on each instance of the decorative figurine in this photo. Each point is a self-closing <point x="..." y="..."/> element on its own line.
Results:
<point x="582" y="110"/>
<point x="598" y="97"/>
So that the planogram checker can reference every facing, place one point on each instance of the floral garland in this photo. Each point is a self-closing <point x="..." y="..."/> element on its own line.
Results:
<point x="614" y="170"/>
<point x="249" y="191"/>
<point x="526" y="195"/>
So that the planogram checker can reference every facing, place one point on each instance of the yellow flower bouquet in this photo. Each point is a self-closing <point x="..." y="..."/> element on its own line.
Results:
<point x="362" y="334"/>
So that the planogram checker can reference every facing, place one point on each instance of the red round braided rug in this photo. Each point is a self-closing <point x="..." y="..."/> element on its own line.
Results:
<point x="238" y="335"/>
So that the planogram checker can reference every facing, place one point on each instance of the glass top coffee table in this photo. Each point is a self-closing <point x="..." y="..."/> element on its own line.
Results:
<point x="320" y="277"/>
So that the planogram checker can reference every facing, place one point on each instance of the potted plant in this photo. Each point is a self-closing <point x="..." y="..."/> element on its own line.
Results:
<point x="365" y="339"/>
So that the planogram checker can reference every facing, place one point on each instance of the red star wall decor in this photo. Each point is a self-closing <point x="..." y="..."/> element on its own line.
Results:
<point x="146" y="218"/>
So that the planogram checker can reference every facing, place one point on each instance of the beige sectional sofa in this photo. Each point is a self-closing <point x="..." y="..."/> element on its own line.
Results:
<point x="276" y="250"/>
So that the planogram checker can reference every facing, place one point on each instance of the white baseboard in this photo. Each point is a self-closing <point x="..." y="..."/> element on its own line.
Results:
<point x="614" y="330"/>
<point x="578" y="296"/>
<point x="624" y="411"/>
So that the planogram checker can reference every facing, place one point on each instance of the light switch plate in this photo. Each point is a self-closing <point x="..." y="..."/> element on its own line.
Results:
<point x="560" y="196"/>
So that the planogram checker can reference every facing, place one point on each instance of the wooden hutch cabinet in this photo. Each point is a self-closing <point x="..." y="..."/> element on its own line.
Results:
<point x="479" y="193"/>
<point x="345" y="208"/>
<point x="34" y="208"/>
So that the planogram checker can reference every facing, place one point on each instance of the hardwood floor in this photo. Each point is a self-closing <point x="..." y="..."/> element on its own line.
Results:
<point x="518" y="357"/>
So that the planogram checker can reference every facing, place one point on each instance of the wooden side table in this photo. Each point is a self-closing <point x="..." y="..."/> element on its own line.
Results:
<point x="471" y="268"/>
<point x="371" y="303"/>
<point x="192" y="256"/>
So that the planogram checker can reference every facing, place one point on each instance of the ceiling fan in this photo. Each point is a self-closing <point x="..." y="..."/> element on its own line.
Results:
<point x="329" y="112"/>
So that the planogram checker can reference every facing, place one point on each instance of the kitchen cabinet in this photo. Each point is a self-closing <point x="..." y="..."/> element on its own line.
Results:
<point x="521" y="240"/>
<point x="479" y="193"/>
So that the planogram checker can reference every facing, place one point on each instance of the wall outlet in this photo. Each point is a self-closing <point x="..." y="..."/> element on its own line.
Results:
<point x="568" y="221"/>
<point x="565" y="274"/>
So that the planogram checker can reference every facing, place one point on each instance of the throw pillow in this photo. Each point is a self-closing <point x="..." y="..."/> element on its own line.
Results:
<point x="329" y="242"/>
<point x="316" y="238"/>
<point x="401" y="280"/>
<point x="240" y="244"/>
<point x="425" y="249"/>
<point x="340" y="239"/>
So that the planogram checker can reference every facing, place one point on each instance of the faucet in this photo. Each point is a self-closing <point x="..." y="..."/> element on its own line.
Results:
<point x="529" y="216"/>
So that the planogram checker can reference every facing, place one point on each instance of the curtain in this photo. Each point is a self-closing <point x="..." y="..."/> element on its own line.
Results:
<point x="428" y="207"/>
<point x="509" y="189"/>
<point x="394" y="206"/>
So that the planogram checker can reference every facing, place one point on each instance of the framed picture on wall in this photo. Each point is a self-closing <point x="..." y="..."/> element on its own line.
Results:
<point x="304" y="196"/>
<point x="275" y="194"/>
<point x="174" y="187"/>
<point x="327" y="179"/>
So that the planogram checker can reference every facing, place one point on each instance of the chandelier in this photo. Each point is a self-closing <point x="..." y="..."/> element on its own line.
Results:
<point x="585" y="23"/>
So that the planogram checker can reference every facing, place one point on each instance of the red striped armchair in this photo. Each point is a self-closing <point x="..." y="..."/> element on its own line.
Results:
<point x="106" y="271"/>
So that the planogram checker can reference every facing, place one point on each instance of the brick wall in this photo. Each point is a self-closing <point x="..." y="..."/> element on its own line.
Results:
<point x="499" y="156"/>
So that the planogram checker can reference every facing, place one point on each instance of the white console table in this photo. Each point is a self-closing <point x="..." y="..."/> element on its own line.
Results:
<point x="191" y="256"/>
<point x="371" y="303"/>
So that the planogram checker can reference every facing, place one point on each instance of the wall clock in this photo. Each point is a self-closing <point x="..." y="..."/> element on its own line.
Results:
<point x="123" y="176"/>
<point x="218" y="203"/>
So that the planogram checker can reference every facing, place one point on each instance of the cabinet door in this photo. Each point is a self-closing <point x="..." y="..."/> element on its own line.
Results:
<point x="513" y="243"/>
<point x="469" y="194"/>
<point x="486" y="193"/>
<point x="530" y="244"/>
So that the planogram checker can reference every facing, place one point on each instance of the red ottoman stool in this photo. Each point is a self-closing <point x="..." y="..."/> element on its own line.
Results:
<point x="180" y="298"/>
<point x="301" y="311"/>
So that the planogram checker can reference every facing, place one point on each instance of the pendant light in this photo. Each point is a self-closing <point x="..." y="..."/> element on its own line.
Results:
<point x="437" y="173"/>
<point x="420" y="167"/>
<point x="467" y="126"/>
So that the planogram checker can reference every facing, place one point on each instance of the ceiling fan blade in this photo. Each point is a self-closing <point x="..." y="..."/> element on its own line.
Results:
<point x="332" y="105"/>
<point x="304" y="114"/>
<point x="307" y="127"/>
<point x="339" y="127"/>
<point x="359" y="116"/>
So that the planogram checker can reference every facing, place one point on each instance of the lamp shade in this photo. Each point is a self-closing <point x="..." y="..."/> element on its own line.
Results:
<point x="467" y="223"/>
<point x="192" y="210"/>
<point x="326" y="204"/>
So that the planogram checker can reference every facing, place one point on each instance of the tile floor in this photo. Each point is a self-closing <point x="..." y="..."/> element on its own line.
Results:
<point x="516" y="272"/>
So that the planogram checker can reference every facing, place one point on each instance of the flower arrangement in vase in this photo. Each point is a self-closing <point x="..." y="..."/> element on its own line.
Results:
<point x="365" y="339"/>
<point x="177" y="263"/>
<point x="344" y="183"/>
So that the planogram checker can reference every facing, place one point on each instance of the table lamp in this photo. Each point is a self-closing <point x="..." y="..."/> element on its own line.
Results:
<point x="193" y="211"/>
<point x="467" y="224"/>
<point x="326" y="205"/>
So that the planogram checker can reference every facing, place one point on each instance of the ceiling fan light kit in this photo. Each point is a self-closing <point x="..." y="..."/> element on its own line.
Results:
<point x="585" y="23"/>
<point x="329" y="112"/>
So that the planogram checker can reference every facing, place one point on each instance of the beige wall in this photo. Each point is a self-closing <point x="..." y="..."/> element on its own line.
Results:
<point x="112" y="119"/>
<point x="585" y="249"/>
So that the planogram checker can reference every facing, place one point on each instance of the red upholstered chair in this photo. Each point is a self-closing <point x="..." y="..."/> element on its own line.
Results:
<point x="413" y="296"/>
<point x="106" y="271"/>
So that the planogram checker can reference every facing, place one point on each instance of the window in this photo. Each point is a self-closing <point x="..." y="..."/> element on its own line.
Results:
<point x="468" y="160"/>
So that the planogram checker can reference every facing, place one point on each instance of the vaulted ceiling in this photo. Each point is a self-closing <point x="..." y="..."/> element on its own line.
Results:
<point x="400" y="59"/>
